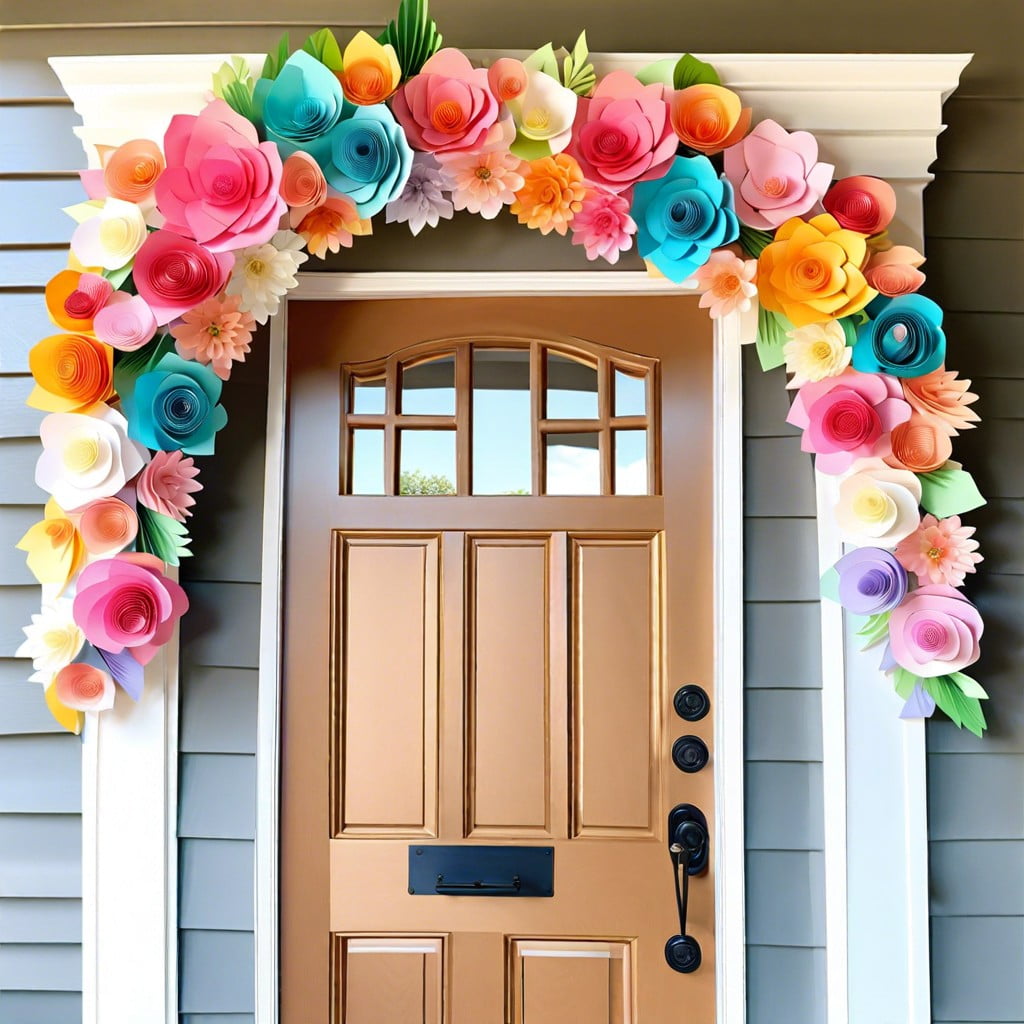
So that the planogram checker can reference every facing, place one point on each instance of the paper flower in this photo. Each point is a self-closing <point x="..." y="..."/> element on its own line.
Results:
<point x="709" y="118"/>
<point x="894" y="271"/>
<point x="683" y="217"/>
<point x="129" y="172"/>
<point x="935" y="632"/>
<point x="871" y="581"/>
<point x="726" y="283"/>
<point x="107" y="525"/>
<point x="448" y="107"/>
<point x="776" y="175"/>
<point x="812" y="271"/>
<point x="423" y="199"/>
<point x="263" y="273"/>
<point x="552" y="193"/>
<point x="167" y="484"/>
<point x="332" y="225"/>
<point x="848" y="417"/>
<point x="940" y="397"/>
<point x="905" y="338"/>
<point x="484" y="182"/>
<point x="298" y="109"/>
<point x="861" y="203"/>
<point x="86" y="457"/>
<point x="940" y="551"/>
<point x="507" y="78"/>
<point x="920" y="445"/>
<point x="303" y="185"/>
<point x="84" y="688"/>
<point x="173" y="274"/>
<point x="815" y="352"/>
<point x="73" y="299"/>
<point x="52" y="641"/>
<point x="543" y="113"/>
<point x="126" y="602"/>
<point x="55" y="549"/>
<point x="125" y="323"/>
<point x="878" y="506"/>
<point x="72" y="372"/>
<point x="174" y="406"/>
<point x="623" y="133"/>
<point x="603" y="225"/>
<point x="215" y="333"/>
<point x="370" y="71"/>
<point x="110" y="237"/>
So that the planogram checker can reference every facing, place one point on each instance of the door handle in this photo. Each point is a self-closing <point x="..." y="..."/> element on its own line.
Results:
<point x="688" y="849"/>
<point x="477" y="888"/>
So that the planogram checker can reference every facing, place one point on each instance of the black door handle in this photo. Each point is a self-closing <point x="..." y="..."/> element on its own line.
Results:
<point x="688" y="848"/>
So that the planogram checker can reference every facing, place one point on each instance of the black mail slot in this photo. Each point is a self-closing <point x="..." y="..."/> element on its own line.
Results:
<point x="481" y="870"/>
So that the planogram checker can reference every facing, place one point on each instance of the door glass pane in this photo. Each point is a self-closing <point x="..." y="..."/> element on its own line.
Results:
<point x="572" y="388"/>
<point x="426" y="461"/>
<point x="367" y="469"/>
<point x="501" y="421"/>
<point x="573" y="464"/>
<point x="631" y="462"/>
<point x="630" y="393"/>
<point x="368" y="395"/>
<point x="428" y="387"/>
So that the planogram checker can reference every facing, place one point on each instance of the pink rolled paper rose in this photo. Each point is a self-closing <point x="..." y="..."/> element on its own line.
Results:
<point x="126" y="602"/>
<point x="848" y="417"/>
<point x="126" y="322"/>
<point x="84" y="687"/>
<point x="935" y="631"/>
<point x="776" y="175"/>
<point x="221" y="183"/>
<point x="623" y="134"/>
<point x="861" y="203"/>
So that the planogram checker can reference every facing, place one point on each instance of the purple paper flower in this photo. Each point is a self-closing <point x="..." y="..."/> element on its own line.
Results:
<point x="871" y="581"/>
<point x="423" y="200"/>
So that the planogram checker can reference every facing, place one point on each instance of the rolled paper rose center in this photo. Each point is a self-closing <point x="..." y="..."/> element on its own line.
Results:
<point x="182" y="409"/>
<point x="860" y="207"/>
<point x="810" y="272"/>
<point x="851" y="422"/>
<point x="609" y="142"/>
<point x="143" y="171"/>
<point x="874" y="583"/>
<point x="900" y="332"/>
<point x="176" y="274"/>
<point x="685" y="216"/>
<point x="224" y="187"/>
<point x="509" y="87"/>
<point x="59" y="531"/>
<point x="448" y="117"/>
<point x="537" y="120"/>
<point x="309" y="112"/>
<point x="929" y="636"/>
<point x="115" y="234"/>
<point x="361" y="151"/>
<point x="873" y="505"/>
<point x="773" y="187"/>
<point x="132" y="612"/>
<point x="81" y="454"/>
<point x="82" y="305"/>
<point x="364" y="81"/>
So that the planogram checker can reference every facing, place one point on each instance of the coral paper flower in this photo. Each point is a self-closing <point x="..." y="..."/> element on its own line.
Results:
<point x="726" y="283"/>
<point x="935" y="632"/>
<point x="263" y="273"/>
<point x="905" y="338"/>
<point x="603" y="226"/>
<point x="111" y="236"/>
<point x="861" y="203"/>
<point x="815" y="352"/>
<point x="812" y="271"/>
<point x="552" y="194"/>
<point x="303" y="185"/>
<point x="871" y="581"/>
<point x="52" y="641"/>
<point x="507" y="78"/>
<point x="423" y="200"/>
<point x="73" y="299"/>
<point x="483" y="182"/>
<point x="215" y="333"/>
<point x="894" y="271"/>
<point x="370" y="71"/>
<point x="878" y="506"/>
<point x="72" y="372"/>
<point x="127" y="602"/>
<point x="84" y="688"/>
<point x="709" y="118"/>
<point x="107" y="525"/>
<point x="623" y="133"/>
<point x="940" y="551"/>
<point x="940" y="397"/>
<point x="125" y="323"/>
<point x="331" y="226"/>
<point x="55" y="549"/>
<point x="776" y="175"/>
<point x="129" y="172"/>
<point x="543" y="114"/>
<point x="167" y="484"/>
<point x="920" y="445"/>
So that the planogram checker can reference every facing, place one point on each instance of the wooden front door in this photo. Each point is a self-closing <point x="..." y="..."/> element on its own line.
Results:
<point x="498" y="575"/>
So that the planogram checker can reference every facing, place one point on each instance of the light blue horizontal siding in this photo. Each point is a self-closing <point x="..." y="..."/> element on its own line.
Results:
<point x="216" y="884"/>
<point x="42" y="855"/>
<point x="785" y="986"/>
<point x="40" y="774"/>
<point x="40" y="1007"/>
<point x="40" y="921"/>
<point x="217" y="971"/>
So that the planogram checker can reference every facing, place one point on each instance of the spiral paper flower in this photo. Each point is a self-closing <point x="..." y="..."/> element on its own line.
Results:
<point x="303" y="185"/>
<point x="709" y="118"/>
<point x="920" y="445"/>
<point x="935" y="631"/>
<point x="111" y="237"/>
<point x="878" y="506"/>
<point x="871" y="581"/>
<point x="905" y="338"/>
<point x="370" y="71"/>
<point x="74" y="299"/>
<point x="107" y="525"/>
<point x="84" y="687"/>
<point x="125" y="323"/>
<point x="72" y="372"/>
<point x="861" y="203"/>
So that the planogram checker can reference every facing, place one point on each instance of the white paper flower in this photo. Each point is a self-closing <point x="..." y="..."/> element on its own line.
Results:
<point x="545" y="111"/>
<point x="878" y="506"/>
<point x="86" y="457"/>
<point x="112" y="237"/>
<point x="263" y="273"/>
<point x="815" y="352"/>
<point x="52" y="641"/>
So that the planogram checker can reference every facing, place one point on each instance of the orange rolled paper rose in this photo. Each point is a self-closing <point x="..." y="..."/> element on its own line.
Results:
<point x="507" y="78"/>
<point x="552" y="194"/>
<point x="303" y="185"/>
<point x="72" y="373"/>
<point x="919" y="445"/>
<point x="940" y="397"/>
<point x="107" y="525"/>
<point x="861" y="203"/>
<point x="894" y="271"/>
<point x="129" y="172"/>
<point x="709" y="118"/>
<point x="812" y="272"/>
<point x="73" y="299"/>
<point x="370" y="71"/>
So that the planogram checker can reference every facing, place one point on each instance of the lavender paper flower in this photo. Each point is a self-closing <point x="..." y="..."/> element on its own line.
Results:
<point x="871" y="581"/>
<point x="423" y="200"/>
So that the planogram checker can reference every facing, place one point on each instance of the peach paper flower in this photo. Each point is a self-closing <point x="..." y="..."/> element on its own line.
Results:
<point x="483" y="182"/>
<point x="709" y="118"/>
<point x="507" y="78"/>
<point x="331" y="226"/>
<point x="939" y="396"/>
<point x="303" y="185"/>
<point x="940" y="551"/>
<point x="894" y="271"/>
<point x="552" y="194"/>
<point x="129" y="172"/>
<point x="167" y="484"/>
<point x="920" y="445"/>
<point x="84" y="687"/>
<point x="726" y="283"/>
<point x="107" y="525"/>
<point x="215" y="333"/>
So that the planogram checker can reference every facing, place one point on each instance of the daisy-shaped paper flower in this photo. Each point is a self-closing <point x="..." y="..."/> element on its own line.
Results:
<point x="52" y="641"/>
<point x="815" y="352"/>
<point x="552" y="194"/>
<point x="215" y="332"/>
<point x="263" y="273"/>
<point x="331" y="226"/>
<point x="423" y="200"/>
<point x="940" y="551"/>
<point x="603" y="226"/>
<point x="167" y="484"/>
<point x="483" y="182"/>
<point x="726" y="283"/>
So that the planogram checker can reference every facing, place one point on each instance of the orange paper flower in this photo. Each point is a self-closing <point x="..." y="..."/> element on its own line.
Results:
<point x="131" y="170"/>
<point x="507" y="78"/>
<point x="107" y="525"/>
<point x="894" y="271"/>
<point x="370" y="70"/>
<point x="709" y="118"/>
<point x="72" y="373"/>
<point x="552" y="194"/>
<point x="331" y="226"/>
<point x="940" y="397"/>
<point x="74" y="298"/>
<point x="920" y="445"/>
<point x="303" y="184"/>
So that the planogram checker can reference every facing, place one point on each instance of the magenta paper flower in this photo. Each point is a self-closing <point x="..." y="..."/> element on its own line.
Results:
<point x="940" y="551"/>
<point x="603" y="226"/>
<point x="126" y="602"/>
<point x="623" y="134"/>
<point x="776" y="175"/>
<point x="848" y="417"/>
<point x="726" y="283"/>
<point x="483" y="182"/>
<point x="167" y="484"/>
<point x="935" y="631"/>
<point x="221" y="183"/>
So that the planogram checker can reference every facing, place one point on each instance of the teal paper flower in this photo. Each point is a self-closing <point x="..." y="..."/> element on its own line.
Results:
<point x="174" y="407"/>
<point x="905" y="339"/>
<point x="370" y="159"/>
<point x="683" y="216"/>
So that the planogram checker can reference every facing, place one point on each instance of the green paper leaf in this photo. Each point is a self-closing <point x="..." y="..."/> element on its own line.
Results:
<point x="691" y="71"/>
<point x="949" y="491"/>
<point x="276" y="60"/>
<point x="771" y="338"/>
<point x="658" y="73"/>
<point x="968" y="687"/>
<point x="578" y="73"/>
<point x="905" y="682"/>
<point x="754" y="241"/>
<point x="414" y="36"/>
<point x="830" y="585"/>
<point x="529" y="149"/>
<point x="849" y="326"/>
<point x="119" y="276"/>
<point x="874" y="630"/>
<point x="233" y="84"/>
<point x="129" y="366"/>
<point x="543" y="60"/>
<point x="324" y="47"/>
<point x="162" y="536"/>
<point x="962" y="710"/>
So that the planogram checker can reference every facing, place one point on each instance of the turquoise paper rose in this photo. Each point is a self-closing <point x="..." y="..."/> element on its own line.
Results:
<point x="905" y="339"/>
<point x="174" y="406"/>
<point x="683" y="216"/>
<point x="370" y="159"/>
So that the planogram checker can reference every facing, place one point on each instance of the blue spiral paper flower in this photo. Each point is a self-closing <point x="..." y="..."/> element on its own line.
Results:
<point x="682" y="217"/>
<point x="904" y="339"/>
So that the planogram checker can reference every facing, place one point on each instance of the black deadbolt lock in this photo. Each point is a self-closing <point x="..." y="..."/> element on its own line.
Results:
<point x="690" y="754"/>
<point x="691" y="703"/>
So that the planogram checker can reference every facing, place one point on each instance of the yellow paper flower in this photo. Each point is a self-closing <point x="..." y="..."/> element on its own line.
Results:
<point x="55" y="548"/>
<point x="552" y="193"/>
<point x="370" y="72"/>
<point x="815" y="352"/>
<point x="65" y="717"/>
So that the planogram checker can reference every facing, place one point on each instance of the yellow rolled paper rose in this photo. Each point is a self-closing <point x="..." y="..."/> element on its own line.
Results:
<point x="54" y="548"/>
<point x="370" y="72"/>
<point x="813" y="271"/>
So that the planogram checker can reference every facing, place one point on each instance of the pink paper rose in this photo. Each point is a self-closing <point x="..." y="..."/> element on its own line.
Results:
<point x="861" y="203"/>
<point x="848" y="417"/>
<point x="127" y="602"/>
<point x="623" y="134"/>
<point x="448" y="107"/>
<point x="221" y="183"/>
<point x="125" y="323"/>
<point x="603" y="226"/>
<point x="776" y="175"/>
<point x="935" y="631"/>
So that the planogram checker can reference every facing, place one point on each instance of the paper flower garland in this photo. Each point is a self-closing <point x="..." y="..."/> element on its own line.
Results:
<point x="186" y="243"/>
